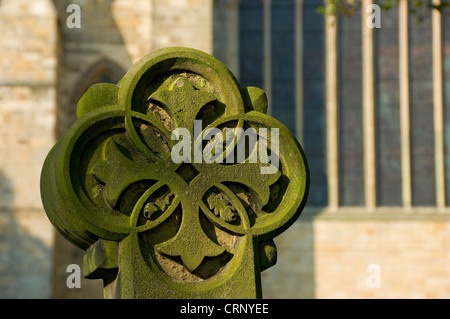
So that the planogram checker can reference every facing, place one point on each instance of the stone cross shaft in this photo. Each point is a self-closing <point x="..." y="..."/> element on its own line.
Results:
<point x="175" y="181"/>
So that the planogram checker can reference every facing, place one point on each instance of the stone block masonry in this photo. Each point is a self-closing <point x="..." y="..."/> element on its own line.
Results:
<point x="28" y="77"/>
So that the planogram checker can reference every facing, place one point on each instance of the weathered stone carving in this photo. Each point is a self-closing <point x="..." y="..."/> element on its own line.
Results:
<point x="153" y="227"/>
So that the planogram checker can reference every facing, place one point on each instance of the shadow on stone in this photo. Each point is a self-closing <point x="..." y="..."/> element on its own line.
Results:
<point x="292" y="277"/>
<point x="25" y="259"/>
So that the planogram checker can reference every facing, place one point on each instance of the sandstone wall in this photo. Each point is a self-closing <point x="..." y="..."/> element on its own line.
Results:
<point x="327" y="254"/>
<point x="28" y="68"/>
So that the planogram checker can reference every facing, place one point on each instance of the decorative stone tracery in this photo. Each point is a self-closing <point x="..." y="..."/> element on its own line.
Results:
<point x="153" y="228"/>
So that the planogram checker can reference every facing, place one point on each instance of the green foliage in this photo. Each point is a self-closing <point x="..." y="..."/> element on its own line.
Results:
<point x="420" y="9"/>
<point x="339" y="7"/>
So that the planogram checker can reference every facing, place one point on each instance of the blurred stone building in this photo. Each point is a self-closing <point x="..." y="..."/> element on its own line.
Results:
<point x="371" y="108"/>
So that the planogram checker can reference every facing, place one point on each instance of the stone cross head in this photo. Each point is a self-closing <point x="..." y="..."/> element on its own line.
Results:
<point x="175" y="181"/>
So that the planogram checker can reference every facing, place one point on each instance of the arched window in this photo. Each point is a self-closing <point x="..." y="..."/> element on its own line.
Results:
<point x="101" y="72"/>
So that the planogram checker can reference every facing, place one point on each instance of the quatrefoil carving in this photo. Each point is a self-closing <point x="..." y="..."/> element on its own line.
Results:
<point x="111" y="176"/>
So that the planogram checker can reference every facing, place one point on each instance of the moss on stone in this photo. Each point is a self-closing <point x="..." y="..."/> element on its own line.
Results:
<point x="106" y="182"/>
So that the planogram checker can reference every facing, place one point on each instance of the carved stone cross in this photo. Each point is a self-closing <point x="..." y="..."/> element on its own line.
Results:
<point x="175" y="181"/>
